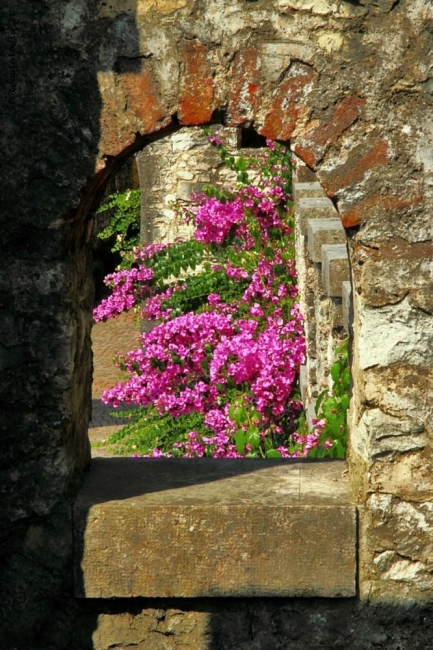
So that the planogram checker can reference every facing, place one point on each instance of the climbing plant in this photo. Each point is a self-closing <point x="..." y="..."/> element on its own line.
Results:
<point x="124" y="224"/>
<point x="218" y="374"/>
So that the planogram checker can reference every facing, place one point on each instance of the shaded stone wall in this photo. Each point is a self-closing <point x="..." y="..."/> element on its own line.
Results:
<point x="87" y="84"/>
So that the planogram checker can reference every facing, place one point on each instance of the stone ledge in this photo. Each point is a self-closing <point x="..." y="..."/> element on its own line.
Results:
<point x="311" y="190"/>
<point x="206" y="527"/>
<point x="314" y="208"/>
<point x="323" y="232"/>
<point x="335" y="268"/>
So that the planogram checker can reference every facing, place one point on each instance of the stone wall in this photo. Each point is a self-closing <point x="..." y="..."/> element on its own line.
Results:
<point x="88" y="84"/>
<point x="177" y="166"/>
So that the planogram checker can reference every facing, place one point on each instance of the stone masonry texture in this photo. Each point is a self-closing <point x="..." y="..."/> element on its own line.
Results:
<point x="85" y="85"/>
<point x="269" y="543"/>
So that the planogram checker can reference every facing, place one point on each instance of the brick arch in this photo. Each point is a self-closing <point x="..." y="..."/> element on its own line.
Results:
<point x="134" y="109"/>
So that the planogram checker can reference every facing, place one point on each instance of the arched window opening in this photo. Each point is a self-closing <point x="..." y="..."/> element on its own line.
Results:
<point x="172" y="171"/>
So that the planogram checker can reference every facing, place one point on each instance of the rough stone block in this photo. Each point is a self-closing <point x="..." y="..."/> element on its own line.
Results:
<point x="206" y="527"/>
<point x="394" y="334"/>
<point x="313" y="144"/>
<point x="197" y="86"/>
<point x="310" y="190"/>
<point x="245" y="86"/>
<point x="316" y="208"/>
<point x="323" y="231"/>
<point x="187" y="139"/>
<point x="185" y="189"/>
<point x="288" y="104"/>
<point x="310" y="414"/>
<point x="335" y="268"/>
<point x="346" y="297"/>
<point x="385" y="433"/>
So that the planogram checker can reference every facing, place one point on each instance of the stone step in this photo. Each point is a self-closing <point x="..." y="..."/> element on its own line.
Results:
<point x="335" y="268"/>
<point x="323" y="231"/>
<point x="214" y="528"/>
<point x="347" y="305"/>
<point x="307" y="190"/>
<point x="314" y="208"/>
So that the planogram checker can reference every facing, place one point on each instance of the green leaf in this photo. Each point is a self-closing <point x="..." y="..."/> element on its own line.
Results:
<point x="319" y="401"/>
<point x="239" y="415"/>
<point x="340" y="451"/>
<point x="335" y="371"/>
<point x="273" y="453"/>
<point x="240" y="441"/>
<point x="345" y="401"/>
<point x="253" y="436"/>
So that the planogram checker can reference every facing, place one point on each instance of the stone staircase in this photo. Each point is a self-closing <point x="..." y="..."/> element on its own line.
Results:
<point x="324" y="282"/>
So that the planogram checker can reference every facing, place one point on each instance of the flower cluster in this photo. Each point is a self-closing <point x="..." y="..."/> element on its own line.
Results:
<point x="128" y="287"/>
<point x="235" y="360"/>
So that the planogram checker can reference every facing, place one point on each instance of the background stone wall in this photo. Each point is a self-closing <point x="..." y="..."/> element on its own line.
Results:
<point x="174" y="168"/>
<point x="170" y="170"/>
<point x="86" y="85"/>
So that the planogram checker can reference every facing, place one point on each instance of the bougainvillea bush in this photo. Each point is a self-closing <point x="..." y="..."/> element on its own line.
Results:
<point x="218" y="373"/>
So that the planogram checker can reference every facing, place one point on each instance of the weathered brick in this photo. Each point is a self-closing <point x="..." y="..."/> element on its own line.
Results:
<point x="320" y="134"/>
<point x="197" y="87"/>
<point x="137" y="92"/>
<point x="243" y="94"/>
<point x="142" y="98"/>
<point x="377" y="204"/>
<point x="359" y="162"/>
<point x="289" y="103"/>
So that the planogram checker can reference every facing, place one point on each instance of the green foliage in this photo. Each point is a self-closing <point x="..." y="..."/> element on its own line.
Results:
<point x="124" y="223"/>
<point x="194" y="296"/>
<point x="248" y="431"/>
<point x="148" y="429"/>
<point x="174" y="262"/>
<point x="332" y="406"/>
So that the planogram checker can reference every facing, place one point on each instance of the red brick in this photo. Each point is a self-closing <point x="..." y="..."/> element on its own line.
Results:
<point x="197" y="87"/>
<point x="143" y="112"/>
<point x="320" y="134"/>
<point x="288" y="104"/>
<point x="355" y="167"/>
<point x="142" y="98"/>
<point x="242" y="101"/>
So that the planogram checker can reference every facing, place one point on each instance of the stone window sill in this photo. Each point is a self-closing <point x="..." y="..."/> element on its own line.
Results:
<point x="207" y="528"/>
